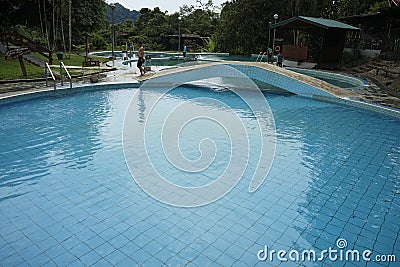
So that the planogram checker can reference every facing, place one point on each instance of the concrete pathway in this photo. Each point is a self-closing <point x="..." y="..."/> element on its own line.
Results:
<point x="34" y="60"/>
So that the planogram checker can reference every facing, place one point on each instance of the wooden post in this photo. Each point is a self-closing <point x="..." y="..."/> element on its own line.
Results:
<point x="21" y="63"/>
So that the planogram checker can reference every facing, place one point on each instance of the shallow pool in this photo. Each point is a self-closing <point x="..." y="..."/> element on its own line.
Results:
<point x="175" y="58"/>
<point x="67" y="196"/>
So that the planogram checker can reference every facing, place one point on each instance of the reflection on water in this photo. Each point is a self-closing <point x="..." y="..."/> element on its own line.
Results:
<point x="346" y="161"/>
<point x="195" y="123"/>
<point x="63" y="181"/>
<point x="42" y="138"/>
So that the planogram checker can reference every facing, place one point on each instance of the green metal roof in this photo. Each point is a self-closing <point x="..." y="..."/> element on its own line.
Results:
<point x="318" y="22"/>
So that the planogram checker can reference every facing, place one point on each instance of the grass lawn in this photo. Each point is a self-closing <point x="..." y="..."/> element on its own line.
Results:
<point x="73" y="60"/>
<point x="11" y="70"/>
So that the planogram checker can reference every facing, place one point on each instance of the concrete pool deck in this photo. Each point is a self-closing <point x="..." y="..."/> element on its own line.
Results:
<point x="129" y="74"/>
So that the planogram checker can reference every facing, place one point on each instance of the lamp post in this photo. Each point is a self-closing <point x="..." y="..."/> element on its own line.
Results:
<point x="179" y="33"/>
<point x="112" y="5"/>
<point x="273" y="41"/>
<point x="269" y="34"/>
<point x="69" y="28"/>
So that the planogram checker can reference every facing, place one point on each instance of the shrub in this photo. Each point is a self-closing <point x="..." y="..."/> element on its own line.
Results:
<point x="98" y="42"/>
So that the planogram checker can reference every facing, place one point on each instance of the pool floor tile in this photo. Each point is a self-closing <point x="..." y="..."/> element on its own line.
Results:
<point x="75" y="202"/>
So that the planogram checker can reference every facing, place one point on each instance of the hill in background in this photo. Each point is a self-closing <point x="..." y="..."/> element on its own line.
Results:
<point x="121" y="14"/>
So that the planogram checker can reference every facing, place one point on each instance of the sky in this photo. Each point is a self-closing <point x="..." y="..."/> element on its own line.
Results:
<point x="171" y="6"/>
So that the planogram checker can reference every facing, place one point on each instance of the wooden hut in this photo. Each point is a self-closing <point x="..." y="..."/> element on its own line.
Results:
<point x="321" y="40"/>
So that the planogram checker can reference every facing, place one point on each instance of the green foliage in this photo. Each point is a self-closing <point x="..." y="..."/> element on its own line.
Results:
<point x="160" y="31"/>
<point x="88" y="16"/>
<point x="243" y="24"/>
<point x="152" y="26"/>
<point x="98" y="42"/>
<point x="31" y="32"/>
<point x="210" y="45"/>
<point x="351" y="7"/>
<point x="241" y="27"/>
<point x="48" y="19"/>
<point x="377" y="5"/>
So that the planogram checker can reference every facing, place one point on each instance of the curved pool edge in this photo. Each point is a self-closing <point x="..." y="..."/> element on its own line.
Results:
<point x="275" y="75"/>
<point x="19" y="96"/>
<point x="321" y="90"/>
<point x="331" y="94"/>
<point x="355" y="81"/>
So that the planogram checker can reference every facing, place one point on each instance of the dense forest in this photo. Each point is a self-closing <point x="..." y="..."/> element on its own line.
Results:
<point x="238" y="26"/>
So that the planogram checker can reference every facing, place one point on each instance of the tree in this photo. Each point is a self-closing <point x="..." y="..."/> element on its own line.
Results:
<point x="159" y="30"/>
<point x="88" y="16"/>
<point x="244" y="24"/>
<point x="153" y="27"/>
<point x="50" y="16"/>
<point x="351" y="7"/>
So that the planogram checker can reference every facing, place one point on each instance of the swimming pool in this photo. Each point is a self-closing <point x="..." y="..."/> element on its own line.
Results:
<point x="175" y="58"/>
<point x="67" y="196"/>
<point x="172" y="59"/>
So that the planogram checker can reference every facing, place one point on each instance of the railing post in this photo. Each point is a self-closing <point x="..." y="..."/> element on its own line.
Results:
<point x="61" y="74"/>
<point x="258" y="56"/>
<point x="52" y="76"/>
<point x="262" y="56"/>
<point x="45" y="74"/>
<point x="62" y="66"/>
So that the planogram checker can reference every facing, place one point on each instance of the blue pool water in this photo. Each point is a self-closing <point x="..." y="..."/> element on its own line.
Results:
<point x="67" y="196"/>
<point x="171" y="58"/>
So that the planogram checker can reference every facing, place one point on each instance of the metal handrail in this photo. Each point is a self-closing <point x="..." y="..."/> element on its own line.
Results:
<point x="52" y="76"/>
<point x="258" y="56"/>
<point x="61" y="75"/>
<point x="262" y="56"/>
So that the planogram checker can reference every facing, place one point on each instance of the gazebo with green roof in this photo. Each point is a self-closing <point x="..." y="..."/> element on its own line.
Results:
<point x="316" y="40"/>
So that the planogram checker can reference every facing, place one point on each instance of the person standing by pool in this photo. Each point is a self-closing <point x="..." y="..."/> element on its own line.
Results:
<point x="269" y="55"/>
<point x="184" y="52"/>
<point x="140" y="58"/>
<point x="280" y="60"/>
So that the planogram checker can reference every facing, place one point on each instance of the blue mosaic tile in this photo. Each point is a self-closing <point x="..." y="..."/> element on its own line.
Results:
<point x="90" y="258"/>
<point x="14" y="261"/>
<point x="115" y="257"/>
<point x="203" y="260"/>
<point x="83" y="207"/>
